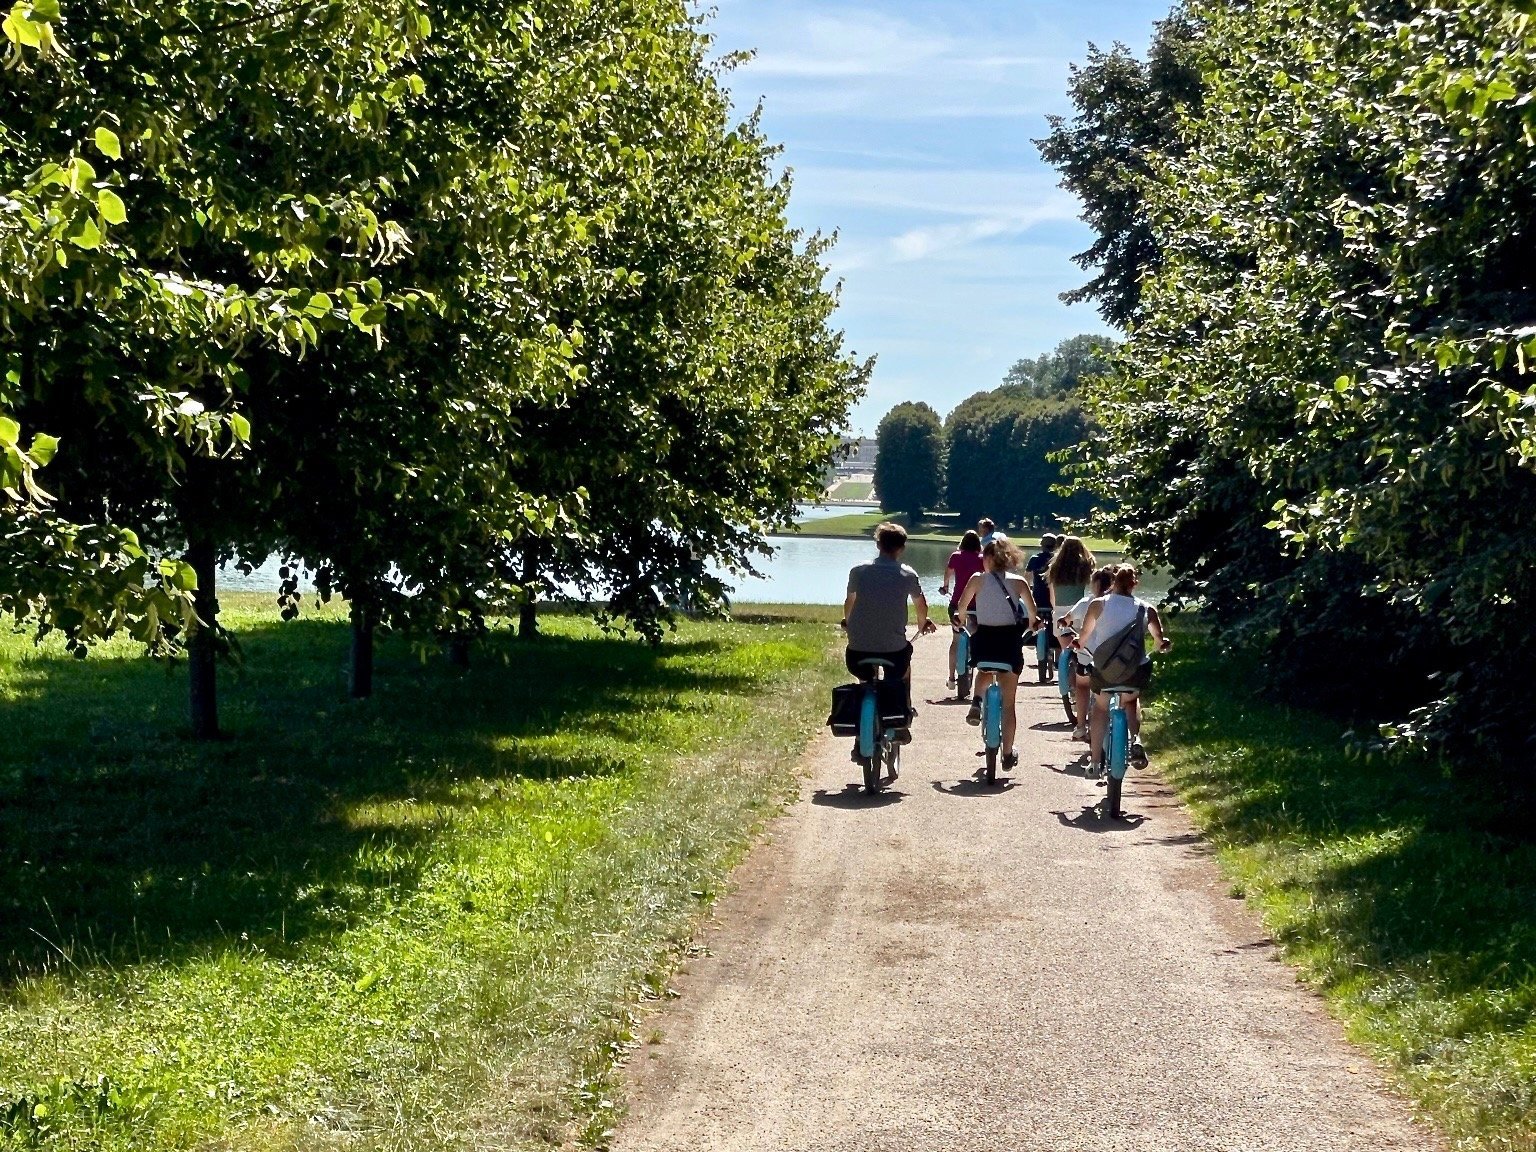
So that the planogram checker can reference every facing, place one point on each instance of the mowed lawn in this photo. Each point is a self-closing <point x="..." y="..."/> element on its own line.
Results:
<point x="421" y="921"/>
<point x="1403" y="893"/>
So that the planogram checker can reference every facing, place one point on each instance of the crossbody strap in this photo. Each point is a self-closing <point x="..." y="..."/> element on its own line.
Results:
<point x="1018" y="610"/>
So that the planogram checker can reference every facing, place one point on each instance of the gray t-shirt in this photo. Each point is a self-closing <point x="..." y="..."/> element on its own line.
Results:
<point x="878" y="622"/>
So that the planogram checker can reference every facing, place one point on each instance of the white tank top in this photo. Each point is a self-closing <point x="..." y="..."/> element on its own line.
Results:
<point x="1116" y="613"/>
<point x="992" y="607"/>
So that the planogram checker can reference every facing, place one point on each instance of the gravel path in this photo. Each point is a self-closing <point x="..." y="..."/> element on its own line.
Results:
<point x="949" y="967"/>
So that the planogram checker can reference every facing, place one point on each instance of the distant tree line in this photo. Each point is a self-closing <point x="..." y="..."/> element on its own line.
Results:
<point x="993" y="455"/>
<point x="1315" y="219"/>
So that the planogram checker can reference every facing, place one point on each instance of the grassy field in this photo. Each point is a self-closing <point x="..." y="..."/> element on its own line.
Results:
<point x="946" y="528"/>
<point x="419" y="922"/>
<point x="851" y="490"/>
<point x="1400" y="893"/>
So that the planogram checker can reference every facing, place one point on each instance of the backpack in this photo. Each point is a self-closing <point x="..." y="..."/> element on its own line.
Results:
<point x="1119" y="658"/>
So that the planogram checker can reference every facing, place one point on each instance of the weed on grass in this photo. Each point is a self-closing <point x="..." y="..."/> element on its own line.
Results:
<point x="1395" y="887"/>
<point x="416" y="922"/>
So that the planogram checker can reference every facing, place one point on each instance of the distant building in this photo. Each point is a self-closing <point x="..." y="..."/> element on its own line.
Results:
<point x="859" y="459"/>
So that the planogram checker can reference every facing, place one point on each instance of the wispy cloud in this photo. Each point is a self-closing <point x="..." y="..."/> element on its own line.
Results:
<point x="908" y="125"/>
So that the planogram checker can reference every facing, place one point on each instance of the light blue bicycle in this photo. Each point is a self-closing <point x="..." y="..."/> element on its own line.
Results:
<point x="962" y="664"/>
<point x="1114" y="756"/>
<point x="992" y="719"/>
<point x="879" y="747"/>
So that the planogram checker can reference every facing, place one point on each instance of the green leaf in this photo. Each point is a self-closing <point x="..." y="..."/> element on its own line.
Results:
<point x="107" y="143"/>
<point x="241" y="427"/>
<point x="10" y="432"/>
<point x="110" y="205"/>
<point x="45" y="10"/>
<point x="87" y="236"/>
<point x="43" y="448"/>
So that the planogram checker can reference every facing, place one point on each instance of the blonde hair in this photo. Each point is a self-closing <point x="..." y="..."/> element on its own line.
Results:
<point x="1001" y="555"/>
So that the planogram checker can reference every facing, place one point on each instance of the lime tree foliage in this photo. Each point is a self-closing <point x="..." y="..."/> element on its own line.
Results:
<point x="1127" y="114"/>
<point x="1000" y="443"/>
<point x="1325" y="420"/>
<point x="442" y="310"/>
<point x="909" y="460"/>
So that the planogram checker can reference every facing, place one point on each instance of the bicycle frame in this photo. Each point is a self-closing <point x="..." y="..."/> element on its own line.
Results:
<point x="992" y="716"/>
<point x="962" y="664"/>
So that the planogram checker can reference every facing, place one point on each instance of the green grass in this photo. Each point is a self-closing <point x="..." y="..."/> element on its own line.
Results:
<point x="942" y="527"/>
<point x="419" y="922"/>
<point x="851" y="490"/>
<point x="1404" y="895"/>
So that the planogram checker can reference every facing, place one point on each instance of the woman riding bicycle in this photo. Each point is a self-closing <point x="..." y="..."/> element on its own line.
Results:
<point x="1067" y="576"/>
<point x="1107" y="618"/>
<point x="1004" y="607"/>
<point x="964" y="563"/>
<point x="1068" y="627"/>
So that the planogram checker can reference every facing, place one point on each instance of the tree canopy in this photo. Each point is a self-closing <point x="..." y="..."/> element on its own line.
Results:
<point x="444" y="309"/>
<point x="909" y="459"/>
<point x="1324" y="421"/>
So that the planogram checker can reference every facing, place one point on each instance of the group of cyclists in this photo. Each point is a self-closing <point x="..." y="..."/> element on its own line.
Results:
<point x="1000" y="599"/>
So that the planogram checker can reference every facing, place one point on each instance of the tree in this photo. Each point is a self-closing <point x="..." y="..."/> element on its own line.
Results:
<point x="1127" y="115"/>
<point x="1057" y="375"/>
<point x="909" y="459"/>
<point x="1323" y="419"/>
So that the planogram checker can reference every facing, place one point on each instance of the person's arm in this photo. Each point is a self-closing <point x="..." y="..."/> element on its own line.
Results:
<point x="851" y="597"/>
<point x="920" y="602"/>
<point x="1155" y="626"/>
<point x="1026" y="596"/>
<point x="967" y="595"/>
<point x="948" y="572"/>
<point x="1090" y="620"/>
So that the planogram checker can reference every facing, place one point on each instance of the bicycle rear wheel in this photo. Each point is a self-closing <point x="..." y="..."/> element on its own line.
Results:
<point x="871" y="766"/>
<point x="1112" y="799"/>
<point x="1042" y="655"/>
<point x="990" y="775"/>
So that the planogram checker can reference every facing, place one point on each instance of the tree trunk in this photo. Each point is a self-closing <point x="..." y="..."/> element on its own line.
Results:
<point x="203" y="646"/>
<point x="458" y="650"/>
<point x="360" y="676"/>
<point x="528" y="613"/>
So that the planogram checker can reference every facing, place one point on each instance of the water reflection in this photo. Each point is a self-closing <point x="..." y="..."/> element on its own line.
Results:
<point x="807" y="570"/>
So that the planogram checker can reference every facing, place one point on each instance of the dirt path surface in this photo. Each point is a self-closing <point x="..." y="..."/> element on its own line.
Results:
<point x="951" y="967"/>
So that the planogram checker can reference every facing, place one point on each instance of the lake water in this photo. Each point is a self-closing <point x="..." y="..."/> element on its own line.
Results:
<point x="803" y="570"/>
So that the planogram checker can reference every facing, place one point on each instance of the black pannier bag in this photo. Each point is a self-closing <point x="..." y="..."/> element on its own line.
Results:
<point x="891" y="697"/>
<point x="844" y="720"/>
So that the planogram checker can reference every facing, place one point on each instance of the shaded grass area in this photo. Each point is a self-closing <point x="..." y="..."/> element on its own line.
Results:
<point x="942" y="526"/>
<point x="1400" y="892"/>
<point x="415" y="922"/>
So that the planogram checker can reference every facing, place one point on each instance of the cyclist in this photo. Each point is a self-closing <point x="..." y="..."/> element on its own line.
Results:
<point x="1107" y="617"/>
<point x="986" y="529"/>
<point x="1039" y="565"/>
<point x="875" y="612"/>
<point x="964" y="563"/>
<point x="1066" y="579"/>
<point x="1003" y="607"/>
<point x="1068" y="627"/>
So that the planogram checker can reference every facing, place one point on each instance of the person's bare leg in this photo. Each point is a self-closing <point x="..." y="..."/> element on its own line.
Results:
<point x="1082" y="698"/>
<point x="1132" y="705"/>
<point x="1096" y="729"/>
<point x="954" y="640"/>
<point x="1010" y="685"/>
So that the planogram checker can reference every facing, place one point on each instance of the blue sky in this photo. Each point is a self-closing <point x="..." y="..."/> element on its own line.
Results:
<point x="908" y="126"/>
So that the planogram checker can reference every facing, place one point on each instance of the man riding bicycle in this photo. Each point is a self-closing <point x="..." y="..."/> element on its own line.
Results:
<point x="875" y="612"/>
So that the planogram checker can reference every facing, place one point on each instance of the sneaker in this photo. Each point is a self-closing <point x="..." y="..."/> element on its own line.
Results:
<point x="974" y="715"/>
<point x="1138" y="756"/>
<point x="1010" y="761"/>
<point x="901" y="735"/>
<point x="891" y="777"/>
<point x="950" y="683"/>
<point x="1080" y="734"/>
<point x="854" y="755"/>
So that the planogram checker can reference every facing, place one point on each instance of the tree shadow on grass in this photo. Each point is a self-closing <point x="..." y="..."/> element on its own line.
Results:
<point x="1400" y="869"/>
<point x="121" y="840"/>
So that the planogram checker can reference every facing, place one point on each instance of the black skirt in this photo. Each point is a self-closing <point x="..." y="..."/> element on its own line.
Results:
<point x="999" y="644"/>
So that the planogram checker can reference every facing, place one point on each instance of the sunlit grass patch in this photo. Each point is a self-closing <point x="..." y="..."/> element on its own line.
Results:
<point x="415" y="922"/>
<point x="1398" y="890"/>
